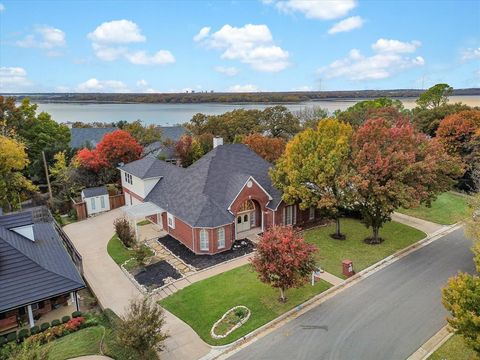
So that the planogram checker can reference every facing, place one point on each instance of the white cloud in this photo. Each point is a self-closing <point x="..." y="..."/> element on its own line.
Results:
<point x="395" y="46"/>
<point x="144" y="87"/>
<point x="385" y="62"/>
<point x="243" y="88"/>
<point x="303" y="88"/>
<point x="202" y="34"/>
<point x="2" y="7"/>
<point x="471" y="54"/>
<point x="14" y="79"/>
<point x="161" y="57"/>
<point x="142" y="83"/>
<point x="250" y="44"/>
<point x="44" y="37"/>
<point x="347" y="24"/>
<point x="117" y="32"/>
<point x="94" y="85"/>
<point x="229" y="71"/>
<point x="316" y="9"/>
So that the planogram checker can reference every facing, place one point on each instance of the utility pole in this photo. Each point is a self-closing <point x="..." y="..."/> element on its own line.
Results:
<point x="48" y="177"/>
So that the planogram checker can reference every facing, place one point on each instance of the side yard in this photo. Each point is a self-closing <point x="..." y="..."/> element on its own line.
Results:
<point x="447" y="209"/>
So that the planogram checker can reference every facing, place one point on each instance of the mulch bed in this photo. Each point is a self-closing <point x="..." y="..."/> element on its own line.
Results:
<point x="155" y="274"/>
<point x="239" y="248"/>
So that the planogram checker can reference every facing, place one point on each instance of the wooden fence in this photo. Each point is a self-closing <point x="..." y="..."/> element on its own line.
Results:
<point x="80" y="207"/>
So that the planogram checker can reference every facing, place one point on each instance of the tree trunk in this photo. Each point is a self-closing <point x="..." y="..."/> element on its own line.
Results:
<point x="375" y="237"/>
<point x="338" y="233"/>
<point x="282" y="295"/>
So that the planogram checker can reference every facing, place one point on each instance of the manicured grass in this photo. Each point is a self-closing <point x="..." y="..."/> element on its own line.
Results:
<point x="120" y="254"/>
<point x="143" y="223"/>
<point x="454" y="349"/>
<point x="447" y="209"/>
<point x="331" y="252"/>
<point x="80" y="343"/>
<point x="201" y="304"/>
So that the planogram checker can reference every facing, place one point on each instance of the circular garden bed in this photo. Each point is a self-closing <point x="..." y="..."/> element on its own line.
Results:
<point x="230" y="321"/>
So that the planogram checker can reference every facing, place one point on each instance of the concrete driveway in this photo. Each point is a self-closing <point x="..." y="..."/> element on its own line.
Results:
<point x="114" y="290"/>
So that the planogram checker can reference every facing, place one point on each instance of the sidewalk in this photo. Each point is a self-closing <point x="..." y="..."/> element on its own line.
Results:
<point x="427" y="227"/>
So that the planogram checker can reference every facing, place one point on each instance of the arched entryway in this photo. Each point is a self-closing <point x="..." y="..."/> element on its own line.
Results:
<point x="248" y="218"/>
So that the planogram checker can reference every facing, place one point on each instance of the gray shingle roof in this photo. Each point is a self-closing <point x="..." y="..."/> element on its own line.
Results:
<point x="31" y="271"/>
<point x="95" y="191"/>
<point x="172" y="132"/>
<point x="149" y="167"/>
<point x="92" y="136"/>
<point x="201" y="194"/>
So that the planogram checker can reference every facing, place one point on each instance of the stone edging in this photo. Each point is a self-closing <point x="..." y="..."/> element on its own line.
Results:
<point x="330" y="292"/>
<point x="240" y="323"/>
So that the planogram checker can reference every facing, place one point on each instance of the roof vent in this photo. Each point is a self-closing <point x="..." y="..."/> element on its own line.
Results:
<point x="217" y="141"/>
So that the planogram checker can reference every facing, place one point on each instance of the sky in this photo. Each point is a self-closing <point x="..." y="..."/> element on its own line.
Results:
<point x="269" y="45"/>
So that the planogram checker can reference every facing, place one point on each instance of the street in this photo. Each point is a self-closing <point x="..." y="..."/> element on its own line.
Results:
<point x="389" y="315"/>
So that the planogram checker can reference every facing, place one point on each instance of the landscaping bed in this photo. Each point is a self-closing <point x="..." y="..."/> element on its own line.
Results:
<point x="154" y="275"/>
<point x="203" y="303"/>
<point x="120" y="254"/>
<point x="447" y="209"/>
<point x="331" y="252"/>
<point x="240" y="248"/>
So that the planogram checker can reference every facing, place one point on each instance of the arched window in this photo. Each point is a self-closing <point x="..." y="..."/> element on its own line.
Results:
<point x="247" y="206"/>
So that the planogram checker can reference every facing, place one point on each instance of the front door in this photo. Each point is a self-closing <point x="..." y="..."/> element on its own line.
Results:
<point x="243" y="222"/>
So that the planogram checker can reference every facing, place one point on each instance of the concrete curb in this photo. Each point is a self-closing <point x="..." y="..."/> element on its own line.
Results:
<point x="221" y="352"/>
<point x="432" y="344"/>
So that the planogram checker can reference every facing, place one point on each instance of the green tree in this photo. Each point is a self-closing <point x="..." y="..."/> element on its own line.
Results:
<point x="144" y="135"/>
<point x="278" y="121"/>
<point x="315" y="169"/>
<point x="434" y="96"/>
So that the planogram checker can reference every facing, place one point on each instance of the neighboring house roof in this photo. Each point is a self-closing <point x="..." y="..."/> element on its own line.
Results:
<point x="91" y="136"/>
<point x="172" y="132"/>
<point x="158" y="149"/>
<point x="95" y="191"/>
<point x="31" y="271"/>
<point x="11" y="221"/>
<point x="201" y="194"/>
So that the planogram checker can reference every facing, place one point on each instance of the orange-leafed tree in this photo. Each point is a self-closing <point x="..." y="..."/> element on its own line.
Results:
<point x="118" y="146"/>
<point x="283" y="259"/>
<point x="269" y="148"/>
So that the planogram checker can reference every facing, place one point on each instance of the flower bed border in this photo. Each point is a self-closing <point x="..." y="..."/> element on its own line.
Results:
<point x="240" y="323"/>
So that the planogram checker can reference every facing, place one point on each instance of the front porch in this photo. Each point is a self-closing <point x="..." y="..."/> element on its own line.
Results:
<point x="252" y="234"/>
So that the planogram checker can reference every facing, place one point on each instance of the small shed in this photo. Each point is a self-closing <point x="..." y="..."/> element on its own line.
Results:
<point x="96" y="199"/>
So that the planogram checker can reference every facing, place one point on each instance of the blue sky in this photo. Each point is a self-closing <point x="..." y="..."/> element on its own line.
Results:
<point x="270" y="45"/>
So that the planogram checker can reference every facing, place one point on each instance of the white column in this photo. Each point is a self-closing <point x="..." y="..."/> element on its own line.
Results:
<point x="72" y="297"/>
<point x="30" y="316"/>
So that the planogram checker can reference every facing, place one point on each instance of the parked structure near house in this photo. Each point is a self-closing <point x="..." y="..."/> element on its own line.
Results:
<point x="96" y="200"/>
<point x="224" y="196"/>
<point x="37" y="275"/>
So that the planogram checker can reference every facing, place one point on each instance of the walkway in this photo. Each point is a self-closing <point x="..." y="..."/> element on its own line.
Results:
<point x="427" y="227"/>
<point x="114" y="290"/>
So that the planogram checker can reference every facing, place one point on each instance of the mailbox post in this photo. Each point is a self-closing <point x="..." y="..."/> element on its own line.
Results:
<point x="347" y="268"/>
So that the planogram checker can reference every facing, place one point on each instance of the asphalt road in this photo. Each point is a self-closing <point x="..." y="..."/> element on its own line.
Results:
<point x="389" y="315"/>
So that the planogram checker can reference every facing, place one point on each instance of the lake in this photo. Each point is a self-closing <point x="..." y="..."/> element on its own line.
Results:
<point x="172" y="114"/>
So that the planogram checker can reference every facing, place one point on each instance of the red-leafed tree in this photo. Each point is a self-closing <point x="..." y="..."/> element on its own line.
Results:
<point x="269" y="148"/>
<point x="118" y="146"/>
<point x="188" y="150"/>
<point x="283" y="259"/>
<point x="396" y="166"/>
<point x="90" y="159"/>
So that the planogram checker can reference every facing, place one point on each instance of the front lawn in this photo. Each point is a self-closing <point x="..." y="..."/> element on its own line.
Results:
<point x="120" y="254"/>
<point x="454" y="349"/>
<point x="80" y="343"/>
<point x="203" y="303"/>
<point x="331" y="252"/>
<point x="447" y="209"/>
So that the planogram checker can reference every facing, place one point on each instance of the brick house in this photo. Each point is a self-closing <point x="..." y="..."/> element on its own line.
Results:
<point x="224" y="196"/>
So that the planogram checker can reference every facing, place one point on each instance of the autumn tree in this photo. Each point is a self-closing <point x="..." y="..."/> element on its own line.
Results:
<point x="427" y="120"/>
<point x="435" y="96"/>
<point x="118" y="147"/>
<point x="310" y="116"/>
<point x="144" y="134"/>
<point x="141" y="328"/>
<point x="315" y="169"/>
<point x="268" y="148"/>
<point x="283" y="259"/>
<point x="14" y="186"/>
<point x="396" y="166"/>
<point x="278" y="121"/>
<point x="188" y="150"/>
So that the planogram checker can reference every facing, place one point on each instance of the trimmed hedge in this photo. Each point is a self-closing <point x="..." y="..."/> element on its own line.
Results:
<point x="65" y="319"/>
<point x="44" y="326"/>
<point x="23" y="333"/>
<point x="12" y="337"/>
<point x="55" y="322"/>
<point x="76" y="314"/>
<point x="34" y="330"/>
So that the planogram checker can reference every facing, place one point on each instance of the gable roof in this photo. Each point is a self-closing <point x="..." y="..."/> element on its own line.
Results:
<point x="149" y="167"/>
<point x="33" y="271"/>
<point x="11" y="221"/>
<point x="202" y="193"/>
<point x="92" y="136"/>
<point x="95" y="191"/>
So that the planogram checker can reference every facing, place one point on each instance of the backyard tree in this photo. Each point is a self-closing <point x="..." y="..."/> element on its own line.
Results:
<point x="117" y="147"/>
<point x="141" y="328"/>
<point x="278" y="121"/>
<point x="283" y="259"/>
<point x="396" y="166"/>
<point x="428" y="120"/>
<point x="144" y="134"/>
<point x="315" y="169"/>
<point x="188" y="150"/>
<point x="435" y="96"/>
<point x="269" y="148"/>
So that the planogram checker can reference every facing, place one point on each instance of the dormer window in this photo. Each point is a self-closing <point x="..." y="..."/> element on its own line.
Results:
<point x="128" y="178"/>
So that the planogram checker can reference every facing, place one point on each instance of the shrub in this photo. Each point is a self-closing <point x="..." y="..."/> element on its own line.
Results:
<point x="55" y="322"/>
<point x="75" y="323"/>
<point x="140" y="254"/>
<point x="65" y="319"/>
<point x="12" y="337"/>
<point x="44" y="326"/>
<point x="22" y="334"/>
<point x="34" y="330"/>
<point x="76" y="314"/>
<point x="3" y="341"/>
<point x="240" y="312"/>
<point x="124" y="232"/>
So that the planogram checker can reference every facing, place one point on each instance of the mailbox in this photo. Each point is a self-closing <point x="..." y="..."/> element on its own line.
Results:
<point x="347" y="267"/>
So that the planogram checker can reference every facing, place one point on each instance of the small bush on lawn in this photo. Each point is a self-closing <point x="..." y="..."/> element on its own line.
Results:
<point x="125" y="232"/>
<point x="44" y="326"/>
<point x="76" y="314"/>
<point x="34" y="330"/>
<point x="65" y="319"/>
<point x="22" y="334"/>
<point x="56" y="322"/>
<point x="12" y="337"/>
